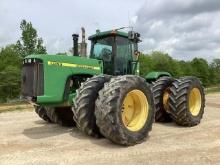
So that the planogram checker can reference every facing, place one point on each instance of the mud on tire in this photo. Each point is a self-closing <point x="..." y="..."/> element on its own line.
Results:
<point x="187" y="101"/>
<point x="61" y="115"/>
<point x="109" y="109"/>
<point x="84" y="104"/>
<point x="159" y="88"/>
<point x="42" y="113"/>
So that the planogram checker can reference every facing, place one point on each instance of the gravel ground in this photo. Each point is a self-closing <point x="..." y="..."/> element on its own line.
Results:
<point x="26" y="139"/>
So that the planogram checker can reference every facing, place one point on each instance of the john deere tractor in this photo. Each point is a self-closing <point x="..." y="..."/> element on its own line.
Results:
<point x="103" y="94"/>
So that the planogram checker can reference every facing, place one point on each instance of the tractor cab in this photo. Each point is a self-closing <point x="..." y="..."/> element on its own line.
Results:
<point x="118" y="51"/>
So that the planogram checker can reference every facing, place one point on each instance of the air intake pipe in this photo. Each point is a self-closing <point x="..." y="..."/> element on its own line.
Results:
<point x="83" y="44"/>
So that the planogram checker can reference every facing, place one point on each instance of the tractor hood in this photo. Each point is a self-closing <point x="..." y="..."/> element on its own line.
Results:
<point x="44" y="77"/>
<point x="78" y="65"/>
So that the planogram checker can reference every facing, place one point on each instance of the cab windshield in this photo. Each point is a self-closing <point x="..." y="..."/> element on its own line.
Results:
<point x="102" y="48"/>
<point x="117" y="53"/>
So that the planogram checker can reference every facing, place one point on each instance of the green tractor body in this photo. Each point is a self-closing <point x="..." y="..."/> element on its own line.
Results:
<point x="52" y="80"/>
<point x="103" y="94"/>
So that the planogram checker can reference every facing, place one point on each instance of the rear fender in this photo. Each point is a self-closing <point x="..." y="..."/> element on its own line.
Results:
<point x="153" y="76"/>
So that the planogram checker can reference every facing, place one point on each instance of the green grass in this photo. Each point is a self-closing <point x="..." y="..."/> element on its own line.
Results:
<point x="213" y="89"/>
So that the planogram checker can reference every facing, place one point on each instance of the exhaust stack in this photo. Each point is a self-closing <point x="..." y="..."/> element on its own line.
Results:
<point x="75" y="44"/>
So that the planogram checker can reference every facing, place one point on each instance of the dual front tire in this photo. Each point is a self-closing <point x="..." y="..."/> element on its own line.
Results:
<point x="124" y="110"/>
<point x="120" y="108"/>
<point x="84" y="104"/>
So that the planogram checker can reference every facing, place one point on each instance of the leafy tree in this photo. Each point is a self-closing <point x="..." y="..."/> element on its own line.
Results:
<point x="186" y="68"/>
<point x="159" y="61"/>
<point x="9" y="56"/>
<point x="163" y="62"/>
<point x="29" y="43"/>
<point x="201" y="69"/>
<point x="216" y="63"/>
<point x="215" y="71"/>
<point x="10" y="68"/>
<point x="146" y="64"/>
<point x="10" y="82"/>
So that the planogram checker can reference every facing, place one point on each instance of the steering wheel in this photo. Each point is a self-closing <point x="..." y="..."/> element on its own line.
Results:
<point x="106" y="54"/>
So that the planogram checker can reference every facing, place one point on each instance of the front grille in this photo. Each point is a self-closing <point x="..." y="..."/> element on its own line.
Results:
<point x="32" y="78"/>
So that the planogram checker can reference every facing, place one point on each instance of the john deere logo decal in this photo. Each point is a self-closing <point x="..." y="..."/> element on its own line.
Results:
<point x="62" y="64"/>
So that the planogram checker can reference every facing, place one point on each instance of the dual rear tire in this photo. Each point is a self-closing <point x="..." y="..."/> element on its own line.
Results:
<point x="187" y="101"/>
<point x="42" y="113"/>
<point x="182" y="100"/>
<point x="61" y="115"/>
<point x="161" y="91"/>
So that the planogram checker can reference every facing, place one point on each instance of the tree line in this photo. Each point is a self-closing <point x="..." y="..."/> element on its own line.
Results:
<point x="29" y="43"/>
<point x="209" y="73"/>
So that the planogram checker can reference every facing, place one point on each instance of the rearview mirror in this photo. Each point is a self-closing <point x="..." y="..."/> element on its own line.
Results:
<point x="131" y="35"/>
<point x="134" y="36"/>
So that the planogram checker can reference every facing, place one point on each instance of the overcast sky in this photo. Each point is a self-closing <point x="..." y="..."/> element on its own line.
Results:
<point x="184" y="29"/>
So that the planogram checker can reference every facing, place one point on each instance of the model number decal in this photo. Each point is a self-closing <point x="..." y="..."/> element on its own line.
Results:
<point x="62" y="64"/>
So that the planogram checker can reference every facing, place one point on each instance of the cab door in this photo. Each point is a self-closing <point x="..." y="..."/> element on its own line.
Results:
<point x="123" y="58"/>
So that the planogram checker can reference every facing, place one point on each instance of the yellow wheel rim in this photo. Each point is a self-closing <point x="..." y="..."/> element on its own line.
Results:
<point x="195" y="101"/>
<point x="166" y="96"/>
<point x="135" y="110"/>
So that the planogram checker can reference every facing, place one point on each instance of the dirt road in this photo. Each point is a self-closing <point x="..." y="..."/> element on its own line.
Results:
<point x="26" y="139"/>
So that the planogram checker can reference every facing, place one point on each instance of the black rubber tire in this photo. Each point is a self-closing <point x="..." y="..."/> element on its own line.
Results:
<point x="84" y="104"/>
<point x="61" y="115"/>
<point x="179" y="101"/>
<point x="109" y="107"/>
<point x="158" y="89"/>
<point x="42" y="113"/>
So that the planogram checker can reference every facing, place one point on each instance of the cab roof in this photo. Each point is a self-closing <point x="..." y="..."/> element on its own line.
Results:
<point x="108" y="33"/>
